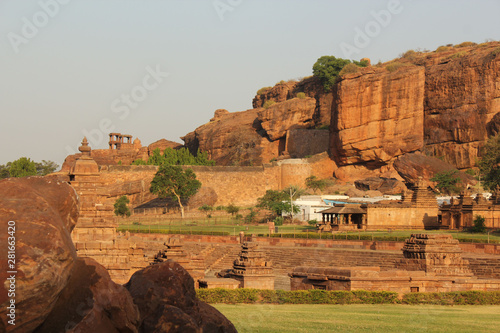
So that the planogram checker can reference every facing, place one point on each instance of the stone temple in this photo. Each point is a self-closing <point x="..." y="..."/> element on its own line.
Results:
<point x="430" y="263"/>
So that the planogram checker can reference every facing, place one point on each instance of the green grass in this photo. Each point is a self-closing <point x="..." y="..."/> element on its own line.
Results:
<point x="361" y="318"/>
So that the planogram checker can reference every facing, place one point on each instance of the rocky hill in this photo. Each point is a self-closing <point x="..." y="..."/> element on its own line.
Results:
<point x="440" y="103"/>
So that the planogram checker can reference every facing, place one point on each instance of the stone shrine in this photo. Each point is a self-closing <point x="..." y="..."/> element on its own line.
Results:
<point x="431" y="263"/>
<point x="251" y="269"/>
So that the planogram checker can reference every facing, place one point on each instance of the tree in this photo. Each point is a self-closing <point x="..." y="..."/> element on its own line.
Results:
<point x="479" y="225"/>
<point x="46" y="167"/>
<point x="22" y="167"/>
<point x="314" y="183"/>
<point x="121" y="208"/>
<point x="327" y="69"/>
<point x="294" y="193"/>
<point x="173" y="182"/>
<point x="489" y="163"/>
<point x="232" y="209"/>
<point x="447" y="181"/>
<point x="206" y="208"/>
<point x="278" y="202"/>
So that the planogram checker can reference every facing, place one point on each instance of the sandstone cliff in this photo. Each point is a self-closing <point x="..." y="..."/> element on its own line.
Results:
<point x="440" y="103"/>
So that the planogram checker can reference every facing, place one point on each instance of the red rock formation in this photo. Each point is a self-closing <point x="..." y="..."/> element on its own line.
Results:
<point x="280" y="117"/>
<point x="384" y="185"/>
<point x="279" y="93"/>
<point x="92" y="302"/>
<point x="377" y="115"/>
<point x="233" y="138"/>
<point x="162" y="145"/>
<point x="461" y="97"/>
<point x="44" y="213"/>
<point x="413" y="166"/>
<point x="166" y="298"/>
<point x="312" y="87"/>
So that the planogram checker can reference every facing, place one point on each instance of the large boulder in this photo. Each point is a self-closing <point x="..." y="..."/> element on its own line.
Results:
<point x="417" y="165"/>
<point x="382" y="184"/>
<point x="92" y="302"/>
<point x="277" y="119"/>
<point x="44" y="212"/>
<point x="167" y="302"/>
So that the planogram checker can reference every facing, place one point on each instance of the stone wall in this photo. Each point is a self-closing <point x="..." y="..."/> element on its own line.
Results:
<point x="391" y="216"/>
<point x="237" y="185"/>
<point x="306" y="142"/>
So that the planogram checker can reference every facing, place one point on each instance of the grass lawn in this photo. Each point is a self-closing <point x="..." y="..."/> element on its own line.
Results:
<point x="361" y="318"/>
<point x="233" y="227"/>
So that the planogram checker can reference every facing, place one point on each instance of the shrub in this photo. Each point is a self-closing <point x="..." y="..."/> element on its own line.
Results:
<point x="279" y="221"/>
<point x="392" y="67"/>
<point x="263" y="90"/>
<point x="442" y="48"/>
<point x="457" y="55"/>
<point x="465" y="44"/>
<point x="410" y="55"/>
<point x="479" y="225"/>
<point x="301" y="95"/>
<point x="495" y="52"/>
<point x="121" y="208"/>
<point x="348" y="69"/>
<point x="312" y="222"/>
<point x="250" y="217"/>
<point x="447" y="181"/>
<point x="268" y="103"/>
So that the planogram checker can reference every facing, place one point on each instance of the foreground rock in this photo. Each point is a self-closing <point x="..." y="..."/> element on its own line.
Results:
<point x="167" y="302"/>
<point x="92" y="302"/>
<point x="44" y="213"/>
<point x="58" y="292"/>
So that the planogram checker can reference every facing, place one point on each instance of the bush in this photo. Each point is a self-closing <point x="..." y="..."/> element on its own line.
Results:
<point x="268" y="103"/>
<point x="279" y="221"/>
<point x="121" y="208"/>
<point x="479" y="225"/>
<point x="301" y="95"/>
<point x="263" y="90"/>
<point x="447" y="181"/>
<point x="392" y="67"/>
<point x="312" y="222"/>
<point x="348" y="69"/>
<point x="443" y="48"/>
<point x="410" y="55"/>
<point x="250" y="218"/>
<point x="465" y="44"/>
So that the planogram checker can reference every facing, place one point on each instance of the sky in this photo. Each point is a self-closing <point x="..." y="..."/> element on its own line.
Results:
<point x="160" y="68"/>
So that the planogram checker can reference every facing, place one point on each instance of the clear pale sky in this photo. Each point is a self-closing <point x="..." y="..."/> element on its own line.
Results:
<point x="65" y="66"/>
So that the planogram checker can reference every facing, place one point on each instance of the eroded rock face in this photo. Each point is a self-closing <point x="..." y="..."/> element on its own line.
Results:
<point x="462" y="95"/>
<point x="44" y="212"/>
<point x="92" y="302"/>
<point x="166" y="298"/>
<point x="235" y="138"/>
<point x="377" y="115"/>
<point x="417" y="165"/>
<point x="279" y="93"/>
<point x="280" y="117"/>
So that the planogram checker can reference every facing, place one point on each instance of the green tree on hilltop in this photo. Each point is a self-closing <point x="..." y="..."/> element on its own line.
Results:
<point x="327" y="69"/>
<point x="173" y="182"/>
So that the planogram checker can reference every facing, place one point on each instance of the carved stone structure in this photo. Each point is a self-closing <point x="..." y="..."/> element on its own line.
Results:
<point x="95" y="232"/>
<point x="460" y="213"/>
<point x="251" y="269"/>
<point x="432" y="263"/>
<point x="437" y="254"/>
<point x="123" y="141"/>
<point x="194" y="265"/>
<point x="418" y="211"/>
